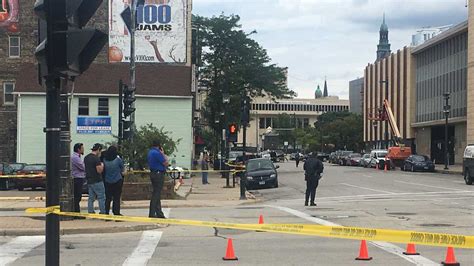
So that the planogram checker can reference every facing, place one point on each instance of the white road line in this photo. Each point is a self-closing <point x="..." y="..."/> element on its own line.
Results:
<point x="459" y="182"/>
<point x="388" y="247"/>
<point x="423" y="185"/>
<point x="18" y="247"/>
<point x="366" y="188"/>
<point x="391" y="199"/>
<point x="145" y="249"/>
<point x="421" y="194"/>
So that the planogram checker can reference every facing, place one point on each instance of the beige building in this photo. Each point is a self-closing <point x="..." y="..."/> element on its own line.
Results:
<point x="305" y="111"/>
<point x="470" y="77"/>
<point x="391" y="78"/>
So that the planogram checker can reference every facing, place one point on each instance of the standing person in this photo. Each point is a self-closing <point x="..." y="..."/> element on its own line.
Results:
<point x="78" y="173"/>
<point x="205" y="168"/>
<point x="94" y="168"/>
<point x="114" y="171"/>
<point x="157" y="162"/>
<point x="313" y="169"/>
<point x="297" y="159"/>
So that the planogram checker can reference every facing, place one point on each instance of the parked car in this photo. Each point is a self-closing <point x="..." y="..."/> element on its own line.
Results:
<point x="293" y="156"/>
<point x="322" y="156"/>
<point x="365" y="160"/>
<point x="6" y="183"/>
<point x="280" y="156"/>
<point x="377" y="157"/>
<point x="468" y="164"/>
<point x="37" y="180"/>
<point x="418" y="163"/>
<point x="353" y="159"/>
<point x="261" y="173"/>
<point x="17" y="167"/>
<point x="332" y="157"/>
<point x="343" y="156"/>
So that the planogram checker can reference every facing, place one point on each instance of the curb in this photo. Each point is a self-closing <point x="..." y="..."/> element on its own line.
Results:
<point x="449" y="172"/>
<point x="75" y="231"/>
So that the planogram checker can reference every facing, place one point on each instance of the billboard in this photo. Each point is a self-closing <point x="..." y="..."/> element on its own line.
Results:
<point x="160" y="35"/>
<point x="9" y="15"/>
<point x="94" y="125"/>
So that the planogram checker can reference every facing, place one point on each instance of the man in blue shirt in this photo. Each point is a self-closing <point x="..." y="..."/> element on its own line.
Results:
<point x="157" y="162"/>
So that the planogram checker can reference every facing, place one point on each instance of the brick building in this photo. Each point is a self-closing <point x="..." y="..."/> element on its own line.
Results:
<point x="22" y="97"/>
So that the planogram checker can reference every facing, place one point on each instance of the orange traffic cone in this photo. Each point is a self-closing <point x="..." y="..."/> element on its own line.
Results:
<point x="385" y="167"/>
<point x="260" y="219"/>
<point x="450" y="258"/>
<point x="411" y="250"/>
<point x="229" y="254"/>
<point x="363" y="252"/>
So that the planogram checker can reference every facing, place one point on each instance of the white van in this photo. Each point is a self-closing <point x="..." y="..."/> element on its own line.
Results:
<point x="468" y="164"/>
<point x="377" y="156"/>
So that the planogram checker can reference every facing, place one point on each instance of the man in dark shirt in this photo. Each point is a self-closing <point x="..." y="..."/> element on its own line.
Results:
<point x="157" y="162"/>
<point x="313" y="168"/>
<point x="94" y="168"/>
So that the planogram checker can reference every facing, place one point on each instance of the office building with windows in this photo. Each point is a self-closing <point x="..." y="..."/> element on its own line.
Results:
<point x="305" y="112"/>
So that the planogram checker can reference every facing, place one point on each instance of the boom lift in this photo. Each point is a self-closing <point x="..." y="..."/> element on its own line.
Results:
<point x="396" y="154"/>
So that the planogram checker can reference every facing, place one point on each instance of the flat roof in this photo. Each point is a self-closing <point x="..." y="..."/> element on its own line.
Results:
<point x="461" y="27"/>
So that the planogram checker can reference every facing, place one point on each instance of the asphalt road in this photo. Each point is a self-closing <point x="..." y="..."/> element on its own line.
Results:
<point x="347" y="196"/>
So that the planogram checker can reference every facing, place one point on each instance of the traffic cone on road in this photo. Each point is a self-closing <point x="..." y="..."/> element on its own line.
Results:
<point x="411" y="250"/>
<point x="363" y="252"/>
<point x="385" y="167"/>
<point x="229" y="254"/>
<point x="260" y="219"/>
<point x="450" y="258"/>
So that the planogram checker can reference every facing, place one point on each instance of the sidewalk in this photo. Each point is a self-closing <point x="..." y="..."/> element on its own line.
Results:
<point x="453" y="169"/>
<point x="192" y="191"/>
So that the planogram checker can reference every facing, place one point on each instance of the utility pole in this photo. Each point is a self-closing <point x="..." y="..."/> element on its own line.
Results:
<point x="446" y="111"/>
<point x="385" y="115"/>
<point x="66" y="198"/>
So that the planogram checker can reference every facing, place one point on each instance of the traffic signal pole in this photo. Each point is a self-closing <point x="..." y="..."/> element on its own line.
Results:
<point x="67" y="190"/>
<point x="133" y="62"/>
<point x="52" y="130"/>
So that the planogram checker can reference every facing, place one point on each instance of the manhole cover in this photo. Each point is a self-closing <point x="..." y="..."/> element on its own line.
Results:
<point x="401" y="213"/>
<point x="436" y="225"/>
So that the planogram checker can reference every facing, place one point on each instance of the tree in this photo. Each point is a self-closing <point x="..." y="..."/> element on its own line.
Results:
<point x="135" y="151"/>
<point x="342" y="129"/>
<point x="233" y="63"/>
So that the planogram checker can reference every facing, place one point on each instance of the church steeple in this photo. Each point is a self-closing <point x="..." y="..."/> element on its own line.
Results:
<point x="325" y="94"/>
<point x="383" y="49"/>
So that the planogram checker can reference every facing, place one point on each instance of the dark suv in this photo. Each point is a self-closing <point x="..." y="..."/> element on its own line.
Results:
<point x="468" y="164"/>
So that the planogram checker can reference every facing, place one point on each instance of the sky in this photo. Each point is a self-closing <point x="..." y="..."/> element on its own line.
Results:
<point x="335" y="39"/>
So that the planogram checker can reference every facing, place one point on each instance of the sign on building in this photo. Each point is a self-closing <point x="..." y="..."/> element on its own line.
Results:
<point x="9" y="15"/>
<point x="160" y="35"/>
<point x="94" y="125"/>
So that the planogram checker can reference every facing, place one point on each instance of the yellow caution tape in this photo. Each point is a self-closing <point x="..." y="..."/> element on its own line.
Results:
<point x="342" y="232"/>
<point x="23" y="176"/>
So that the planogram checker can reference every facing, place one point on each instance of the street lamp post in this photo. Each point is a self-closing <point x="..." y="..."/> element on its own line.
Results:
<point x="446" y="112"/>
<point x="375" y="125"/>
<point x="386" y="121"/>
<point x="225" y="151"/>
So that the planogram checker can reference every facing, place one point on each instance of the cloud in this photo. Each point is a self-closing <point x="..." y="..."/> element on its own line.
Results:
<point x="333" y="38"/>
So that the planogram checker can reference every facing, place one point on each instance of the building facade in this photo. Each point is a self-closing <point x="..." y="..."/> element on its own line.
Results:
<point x="264" y="112"/>
<point x="356" y="94"/>
<point x="441" y="66"/>
<point x="424" y="34"/>
<point x="164" y="96"/>
<point x="394" y="72"/>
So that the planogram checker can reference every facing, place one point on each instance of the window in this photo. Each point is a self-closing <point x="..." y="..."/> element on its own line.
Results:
<point x="262" y="123"/>
<point x="83" y="106"/>
<point x="13" y="46"/>
<point x="103" y="107"/>
<point x="268" y="122"/>
<point x="8" y="89"/>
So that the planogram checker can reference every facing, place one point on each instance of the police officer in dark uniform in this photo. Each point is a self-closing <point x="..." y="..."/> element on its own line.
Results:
<point x="313" y="168"/>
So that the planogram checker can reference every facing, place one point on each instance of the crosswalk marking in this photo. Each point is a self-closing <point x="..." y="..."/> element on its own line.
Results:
<point x="145" y="249"/>
<point x="18" y="247"/>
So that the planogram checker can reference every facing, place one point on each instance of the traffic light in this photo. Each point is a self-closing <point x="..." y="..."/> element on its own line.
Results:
<point x="127" y="129"/>
<point x="128" y="100"/>
<point x="233" y="129"/>
<point x="245" y="110"/>
<point x="65" y="48"/>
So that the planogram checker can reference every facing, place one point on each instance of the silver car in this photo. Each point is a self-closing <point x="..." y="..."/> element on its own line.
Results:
<point x="365" y="160"/>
